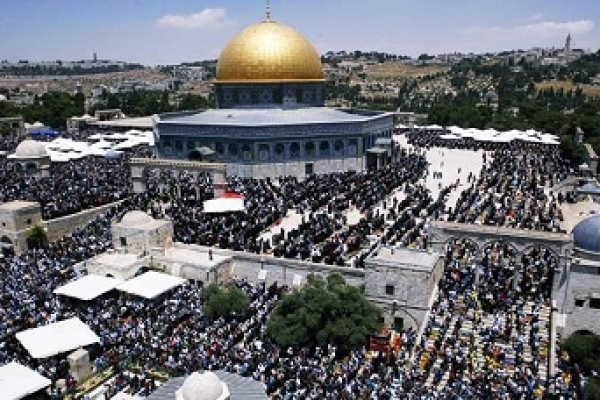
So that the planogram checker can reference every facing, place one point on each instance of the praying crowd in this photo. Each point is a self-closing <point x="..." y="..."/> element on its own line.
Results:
<point x="71" y="186"/>
<point x="477" y="342"/>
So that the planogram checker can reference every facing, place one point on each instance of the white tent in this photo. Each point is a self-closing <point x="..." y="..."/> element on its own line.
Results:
<point x="88" y="287"/>
<point x="434" y="128"/>
<point x="102" y="144"/>
<point x="151" y="284"/>
<point x="18" y="381"/>
<point x="116" y="136"/>
<point x="449" y="136"/>
<point x="224" y="205"/>
<point x="128" y="144"/>
<point x="59" y="337"/>
<point x="97" y="152"/>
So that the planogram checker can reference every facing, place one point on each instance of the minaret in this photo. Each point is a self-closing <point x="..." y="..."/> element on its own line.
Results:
<point x="568" y="45"/>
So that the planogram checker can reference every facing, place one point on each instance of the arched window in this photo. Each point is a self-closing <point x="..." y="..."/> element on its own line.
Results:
<point x="279" y="151"/>
<point x="264" y="151"/>
<point x="353" y="147"/>
<point x="338" y="147"/>
<point x="233" y="149"/>
<point x="246" y="152"/>
<point x="324" y="148"/>
<point x="295" y="150"/>
<point x="309" y="149"/>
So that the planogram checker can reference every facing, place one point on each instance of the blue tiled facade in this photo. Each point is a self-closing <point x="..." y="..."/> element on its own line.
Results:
<point x="308" y="141"/>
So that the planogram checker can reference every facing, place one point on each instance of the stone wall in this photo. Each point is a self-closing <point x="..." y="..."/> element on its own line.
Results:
<point x="59" y="227"/>
<point x="295" y="168"/>
<point x="282" y="270"/>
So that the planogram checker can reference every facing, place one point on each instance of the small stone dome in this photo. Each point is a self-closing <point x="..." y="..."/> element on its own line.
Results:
<point x="136" y="218"/>
<point x="205" y="386"/>
<point x="586" y="235"/>
<point x="30" y="149"/>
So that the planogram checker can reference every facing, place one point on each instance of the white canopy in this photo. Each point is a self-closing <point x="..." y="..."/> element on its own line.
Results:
<point x="127" y="144"/>
<point x="60" y="337"/>
<point x="224" y="205"/>
<point x="88" y="287"/>
<point x="449" y="136"/>
<point x="18" y="381"/>
<point x="151" y="284"/>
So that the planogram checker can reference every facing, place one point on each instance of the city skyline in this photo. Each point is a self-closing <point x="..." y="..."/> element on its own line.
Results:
<point x="161" y="32"/>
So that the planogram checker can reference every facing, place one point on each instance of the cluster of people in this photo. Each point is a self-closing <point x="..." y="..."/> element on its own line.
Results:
<point x="487" y="334"/>
<point x="27" y="282"/>
<point x="513" y="191"/>
<point x="71" y="186"/>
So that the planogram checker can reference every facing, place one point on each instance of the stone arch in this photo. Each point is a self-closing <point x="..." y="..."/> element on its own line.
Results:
<point x="6" y="245"/>
<point x="295" y="150"/>
<point x="583" y="332"/>
<point x="489" y="243"/>
<point x="324" y="148"/>
<point x="528" y="248"/>
<point x="404" y="310"/>
<point x="31" y="168"/>
<point x="279" y="151"/>
<point x="141" y="271"/>
<point x="309" y="149"/>
<point x="451" y="239"/>
<point x="338" y="147"/>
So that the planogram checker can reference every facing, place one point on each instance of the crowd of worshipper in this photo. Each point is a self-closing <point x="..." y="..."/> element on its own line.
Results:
<point x="71" y="186"/>
<point x="488" y="331"/>
<point x="513" y="190"/>
<point x="324" y="201"/>
<point x="473" y="340"/>
<point x="428" y="139"/>
<point x="478" y="343"/>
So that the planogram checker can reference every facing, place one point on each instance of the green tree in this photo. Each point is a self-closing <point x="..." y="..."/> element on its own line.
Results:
<point x="225" y="301"/>
<point x="324" y="312"/>
<point x="592" y="388"/>
<point x="37" y="237"/>
<point x="584" y="349"/>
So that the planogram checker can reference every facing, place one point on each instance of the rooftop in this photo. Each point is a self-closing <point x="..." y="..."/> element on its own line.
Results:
<point x="18" y="205"/>
<point x="413" y="259"/>
<point x="117" y="260"/>
<point x="133" y="123"/>
<point x="189" y="256"/>
<point x="270" y="116"/>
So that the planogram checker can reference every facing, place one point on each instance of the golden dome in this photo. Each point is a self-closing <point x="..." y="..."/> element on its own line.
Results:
<point x="269" y="52"/>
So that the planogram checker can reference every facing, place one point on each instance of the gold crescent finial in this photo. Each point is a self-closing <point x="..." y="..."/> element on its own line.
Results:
<point x="268" y="11"/>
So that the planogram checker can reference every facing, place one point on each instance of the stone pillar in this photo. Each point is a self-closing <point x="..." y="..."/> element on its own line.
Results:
<point x="219" y="181"/>
<point x="79" y="365"/>
<point x="516" y="278"/>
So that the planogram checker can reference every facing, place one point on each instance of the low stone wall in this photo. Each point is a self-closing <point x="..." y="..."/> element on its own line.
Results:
<point x="247" y="265"/>
<point x="59" y="227"/>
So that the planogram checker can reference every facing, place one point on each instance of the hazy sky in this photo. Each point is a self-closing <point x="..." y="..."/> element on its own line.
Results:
<point x="173" y="31"/>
